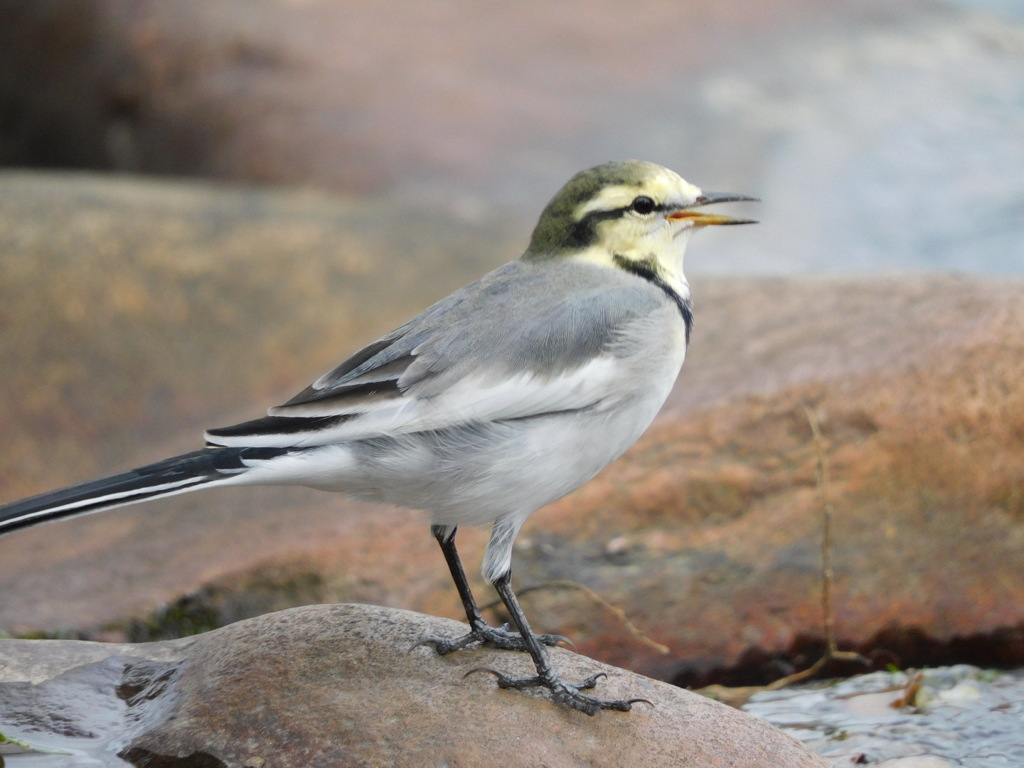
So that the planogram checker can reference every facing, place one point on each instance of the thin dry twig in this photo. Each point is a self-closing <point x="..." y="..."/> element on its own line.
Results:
<point x="738" y="697"/>
<point x="832" y="651"/>
<point x="618" y="612"/>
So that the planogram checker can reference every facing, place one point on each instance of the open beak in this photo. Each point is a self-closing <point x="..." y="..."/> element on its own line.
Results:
<point x="699" y="219"/>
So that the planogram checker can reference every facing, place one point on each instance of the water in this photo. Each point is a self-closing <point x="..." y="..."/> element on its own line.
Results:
<point x="84" y="717"/>
<point x="1011" y="9"/>
<point x="963" y="715"/>
<point x="892" y="148"/>
<point x="877" y="142"/>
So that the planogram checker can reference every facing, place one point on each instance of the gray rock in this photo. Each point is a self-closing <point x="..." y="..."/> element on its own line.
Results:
<point x="342" y="686"/>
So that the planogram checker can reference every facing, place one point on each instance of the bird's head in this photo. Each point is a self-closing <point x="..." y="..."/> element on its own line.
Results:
<point x="630" y="212"/>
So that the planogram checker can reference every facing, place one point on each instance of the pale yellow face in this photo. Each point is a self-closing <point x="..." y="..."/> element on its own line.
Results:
<point x="626" y="213"/>
<point x="657" y="237"/>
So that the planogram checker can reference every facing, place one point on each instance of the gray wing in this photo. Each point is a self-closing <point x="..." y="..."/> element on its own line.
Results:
<point x="518" y="341"/>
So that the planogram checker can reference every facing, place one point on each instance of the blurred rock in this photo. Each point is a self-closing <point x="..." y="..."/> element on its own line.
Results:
<point x="339" y="685"/>
<point x="147" y="280"/>
<point x="133" y="314"/>
<point x="154" y="310"/>
<point x="880" y="135"/>
<point x="717" y="514"/>
<point x="358" y="98"/>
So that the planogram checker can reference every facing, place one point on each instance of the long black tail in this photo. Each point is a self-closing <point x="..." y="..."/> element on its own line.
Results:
<point x="180" y="474"/>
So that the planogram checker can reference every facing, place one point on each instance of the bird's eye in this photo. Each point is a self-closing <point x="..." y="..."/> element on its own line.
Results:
<point x="644" y="205"/>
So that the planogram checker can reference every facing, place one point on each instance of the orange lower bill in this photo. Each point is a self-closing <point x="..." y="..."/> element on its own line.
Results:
<point x="706" y="219"/>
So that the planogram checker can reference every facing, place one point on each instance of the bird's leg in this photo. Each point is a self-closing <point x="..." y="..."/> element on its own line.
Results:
<point x="569" y="694"/>
<point x="480" y="633"/>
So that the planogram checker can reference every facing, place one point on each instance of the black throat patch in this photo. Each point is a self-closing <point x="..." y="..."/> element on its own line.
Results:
<point x="648" y="273"/>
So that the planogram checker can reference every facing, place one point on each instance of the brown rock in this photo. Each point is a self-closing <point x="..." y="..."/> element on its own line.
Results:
<point x="133" y="315"/>
<point x="349" y="97"/>
<point x="707" y="535"/>
<point x="339" y="685"/>
<point x="717" y="513"/>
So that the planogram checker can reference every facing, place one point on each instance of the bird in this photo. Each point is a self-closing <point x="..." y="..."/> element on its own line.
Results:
<point x="492" y="403"/>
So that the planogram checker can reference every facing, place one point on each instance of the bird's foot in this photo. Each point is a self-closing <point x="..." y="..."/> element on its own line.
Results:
<point x="493" y="637"/>
<point x="566" y="693"/>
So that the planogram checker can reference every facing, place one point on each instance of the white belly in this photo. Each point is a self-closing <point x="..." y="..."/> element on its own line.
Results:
<point x="499" y="471"/>
<point x="476" y="473"/>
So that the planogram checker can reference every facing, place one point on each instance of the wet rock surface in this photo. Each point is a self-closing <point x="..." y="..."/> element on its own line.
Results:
<point x="936" y="718"/>
<point x="340" y="685"/>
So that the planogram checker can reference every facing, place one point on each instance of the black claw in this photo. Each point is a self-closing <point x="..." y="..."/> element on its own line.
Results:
<point x="504" y="638"/>
<point x="639" y="700"/>
<point x="563" y="692"/>
<point x="494" y="672"/>
<point x="591" y="682"/>
<point x="494" y="637"/>
<point x="554" y="640"/>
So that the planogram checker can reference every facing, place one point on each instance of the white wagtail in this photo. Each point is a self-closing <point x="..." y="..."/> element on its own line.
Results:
<point x="497" y="400"/>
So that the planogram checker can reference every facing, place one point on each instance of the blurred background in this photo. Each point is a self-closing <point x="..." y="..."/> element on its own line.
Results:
<point x="205" y="204"/>
<point x="881" y="136"/>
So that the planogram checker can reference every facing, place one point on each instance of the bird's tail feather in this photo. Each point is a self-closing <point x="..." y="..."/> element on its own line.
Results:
<point x="180" y="474"/>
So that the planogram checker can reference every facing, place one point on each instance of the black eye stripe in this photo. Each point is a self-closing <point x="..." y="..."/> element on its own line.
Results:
<point x="583" y="233"/>
<point x="618" y="213"/>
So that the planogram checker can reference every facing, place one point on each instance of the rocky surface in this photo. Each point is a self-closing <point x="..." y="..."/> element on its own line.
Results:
<point x="133" y="314"/>
<point x="915" y="385"/>
<point x="934" y="718"/>
<point x="707" y="534"/>
<point x="339" y="685"/>
<point x="147" y="279"/>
